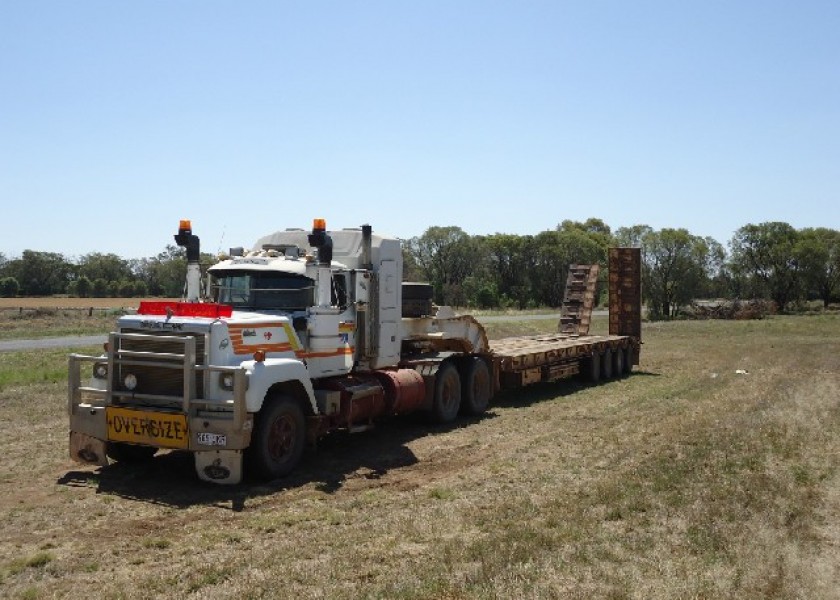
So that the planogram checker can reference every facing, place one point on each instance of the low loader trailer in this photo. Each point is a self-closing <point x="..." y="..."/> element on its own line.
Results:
<point x="312" y="332"/>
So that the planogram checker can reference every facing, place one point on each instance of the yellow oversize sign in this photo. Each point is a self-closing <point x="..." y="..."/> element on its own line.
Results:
<point x="164" y="430"/>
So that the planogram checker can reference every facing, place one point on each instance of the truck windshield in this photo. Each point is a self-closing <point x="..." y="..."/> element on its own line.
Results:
<point x="263" y="290"/>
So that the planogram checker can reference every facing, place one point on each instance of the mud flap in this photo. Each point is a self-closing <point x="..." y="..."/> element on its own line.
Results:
<point x="87" y="449"/>
<point x="219" y="466"/>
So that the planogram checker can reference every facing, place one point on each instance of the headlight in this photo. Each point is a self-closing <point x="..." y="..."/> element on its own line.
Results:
<point x="100" y="370"/>
<point x="130" y="382"/>
<point x="226" y="381"/>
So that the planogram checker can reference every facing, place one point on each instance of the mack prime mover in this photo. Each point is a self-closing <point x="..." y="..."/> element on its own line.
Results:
<point x="313" y="332"/>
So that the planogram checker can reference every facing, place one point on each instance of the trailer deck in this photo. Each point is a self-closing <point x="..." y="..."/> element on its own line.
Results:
<point x="520" y="361"/>
<point x="523" y="360"/>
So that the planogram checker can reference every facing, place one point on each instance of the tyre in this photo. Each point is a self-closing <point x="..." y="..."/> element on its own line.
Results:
<point x="618" y="362"/>
<point x="607" y="364"/>
<point x="277" y="442"/>
<point x="447" y="398"/>
<point x="592" y="368"/>
<point x="628" y="360"/>
<point x="122" y="452"/>
<point x="476" y="388"/>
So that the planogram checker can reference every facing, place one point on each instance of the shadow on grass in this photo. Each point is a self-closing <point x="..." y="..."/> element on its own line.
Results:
<point x="169" y="478"/>
<point x="540" y="392"/>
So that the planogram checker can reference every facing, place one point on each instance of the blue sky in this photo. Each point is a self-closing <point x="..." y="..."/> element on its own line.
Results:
<point x="119" y="118"/>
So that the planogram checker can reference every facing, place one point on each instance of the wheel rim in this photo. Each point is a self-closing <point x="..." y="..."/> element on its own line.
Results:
<point x="281" y="438"/>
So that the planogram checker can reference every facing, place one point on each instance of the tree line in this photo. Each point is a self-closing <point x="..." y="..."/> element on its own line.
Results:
<point x="95" y="275"/>
<point x="770" y="260"/>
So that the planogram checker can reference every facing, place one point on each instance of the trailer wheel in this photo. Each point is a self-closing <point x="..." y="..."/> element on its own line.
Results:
<point x="447" y="399"/>
<point x="279" y="434"/>
<point x="628" y="360"/>
<point x="618" y="362"/>
<point x="122" y="452"/>
<point x="593" y="368"/>
<point x="476" y="387"/>
<point x="607" y="364"/>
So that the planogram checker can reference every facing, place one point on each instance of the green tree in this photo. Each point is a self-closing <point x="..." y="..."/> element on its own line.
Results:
<point x="818" y="255"/>
<point x="553" y="252"/>
<point x="100" y="288"/>
<point x="716" y="280"/>
<point x="84" y="287"/>
<point x="411" y="270"/>
<point x="164" y="274"/>
<point x="676" y="266"/>
<point x="140" y="289"/>
<point x="9" y="287"/>
<point x="109" y="267"/>
<point x="632" y="236"/>
<point x="510" y="261"/>
<point x="446" y="256"/>
<point x="40" y="273"/>
<point x="595" y="229"/>
<point x="764" y="260"/>
<point x="125" y="289"/>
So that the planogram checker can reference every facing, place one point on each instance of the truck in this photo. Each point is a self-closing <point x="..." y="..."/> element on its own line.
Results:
<point x="313" y="332"/>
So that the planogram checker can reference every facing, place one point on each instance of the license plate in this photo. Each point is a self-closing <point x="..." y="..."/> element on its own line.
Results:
<point x="164" y="430"/>
<point x="211" y="439"/>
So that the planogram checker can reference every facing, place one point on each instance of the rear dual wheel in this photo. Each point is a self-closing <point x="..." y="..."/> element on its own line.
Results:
<point x="447" y="399"/>
<point x="593" y="368"/>
<point x="477" y="386"/>
<point x="618" y="362"/>
<point x="607" y="364"/>
<point x="628" y="360"/>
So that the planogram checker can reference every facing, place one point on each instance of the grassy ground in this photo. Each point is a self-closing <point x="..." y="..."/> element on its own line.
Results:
<point x="53" y="322"/>
<point x="32" y="318"/>
<point x="685" y="480"/>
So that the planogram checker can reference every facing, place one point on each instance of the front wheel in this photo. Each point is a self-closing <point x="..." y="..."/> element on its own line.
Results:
<point x="278" y="438"/>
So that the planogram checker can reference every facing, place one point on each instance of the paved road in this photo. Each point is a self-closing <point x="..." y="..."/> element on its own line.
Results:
<point x="61" y="342"/>
<point x="98" y="340"/>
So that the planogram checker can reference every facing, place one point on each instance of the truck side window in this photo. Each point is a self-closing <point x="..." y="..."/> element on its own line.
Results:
<point x="339" y="290"/>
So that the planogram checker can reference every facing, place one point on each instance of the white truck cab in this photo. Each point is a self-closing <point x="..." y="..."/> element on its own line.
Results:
<point x="301" y="335"/>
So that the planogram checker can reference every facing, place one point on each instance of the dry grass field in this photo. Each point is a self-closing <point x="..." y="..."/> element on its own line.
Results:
<point x="57" y="302"/>
<point x="31" y="318"/>
<point x="684" y="480"/>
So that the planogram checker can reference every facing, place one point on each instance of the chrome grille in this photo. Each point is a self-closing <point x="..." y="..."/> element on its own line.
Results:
<point x="159" y="380"/>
